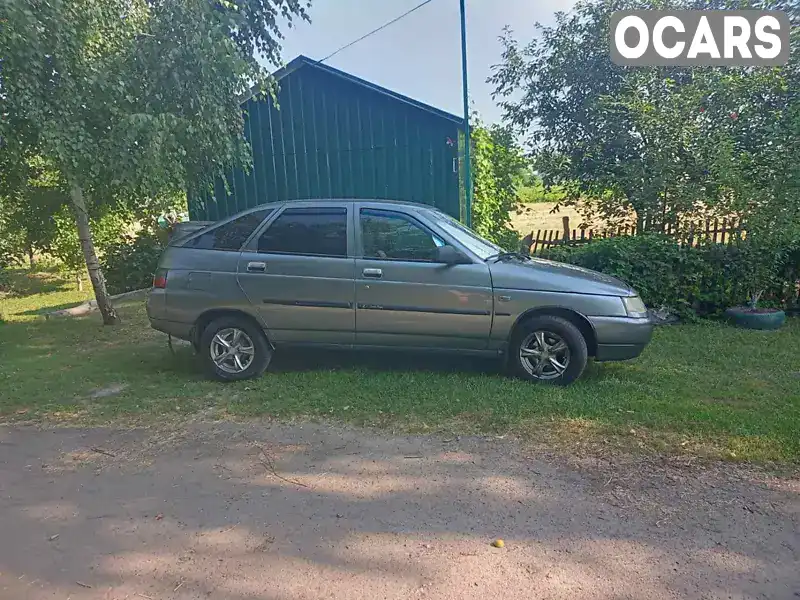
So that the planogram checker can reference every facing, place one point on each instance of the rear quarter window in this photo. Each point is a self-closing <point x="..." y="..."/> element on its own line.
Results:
<point x="231" y="236"/>
<point x="181" y="231"/>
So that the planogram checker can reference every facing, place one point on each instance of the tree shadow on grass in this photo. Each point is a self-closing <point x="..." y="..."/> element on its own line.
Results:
<point x="48" y="309"/>
<point x="124" y="306"/>
<point x="46" y="280"/>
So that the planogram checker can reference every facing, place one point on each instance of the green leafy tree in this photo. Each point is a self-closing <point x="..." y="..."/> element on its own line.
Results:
<point x="133" y="98"/>
<point x="751" y="128"/>
<point x="30" y="197"/>
<point x="108" y="226"/>
<point x="499" y="168"/>
<point x="648" y="141"/>
<point x="532" y="190"/>
<point x="11" y="242"/>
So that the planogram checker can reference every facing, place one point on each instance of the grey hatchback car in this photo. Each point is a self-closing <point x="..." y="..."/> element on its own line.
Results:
<point x="389" y="275"/>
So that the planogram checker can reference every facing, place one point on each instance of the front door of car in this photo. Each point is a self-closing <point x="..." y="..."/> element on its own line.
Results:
<point x="405" y="297"/>
<point x="299" y="274"/>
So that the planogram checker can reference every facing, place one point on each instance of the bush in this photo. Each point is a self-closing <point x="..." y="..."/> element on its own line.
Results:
<point x="497" y="163"/>
<point x="689" y="280"/>
<point x="129" y="265"/>
<point x="536" y="192"/>
<point x="790" y="273"/>
<point x="723" y="280"/>
<point x="663" y="272"/>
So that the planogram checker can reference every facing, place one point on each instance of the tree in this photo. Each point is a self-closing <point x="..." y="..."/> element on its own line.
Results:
<point x="107" y="225"/>
<point x="641" y="140"/>
<point x="499" y="170"/>
<point x="30" y="198"/>
<point x="532" y="189"/>
<point x="133" y="98"/>
<point x="35" y="217"/>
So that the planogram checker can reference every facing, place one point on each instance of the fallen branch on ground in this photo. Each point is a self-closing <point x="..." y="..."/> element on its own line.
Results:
<point x="101" y="451"/>
<point x="269" y="465"/>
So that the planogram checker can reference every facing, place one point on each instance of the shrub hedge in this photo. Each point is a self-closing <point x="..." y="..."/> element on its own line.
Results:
<point x="129" y="264"/>
<point x="689" y="280"/>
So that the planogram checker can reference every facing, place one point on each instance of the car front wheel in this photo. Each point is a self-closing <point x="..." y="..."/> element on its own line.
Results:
<point x="548" y="349"/>
<point x="234" y="349"/>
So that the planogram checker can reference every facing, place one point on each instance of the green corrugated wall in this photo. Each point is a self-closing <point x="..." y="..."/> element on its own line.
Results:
<point x="334" y="138"/>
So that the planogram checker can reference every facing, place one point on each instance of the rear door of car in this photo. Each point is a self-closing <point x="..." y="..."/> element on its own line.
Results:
<point x="298" y="272"/>
<point x="200" y="270"/>
<point x="405" y="296"/>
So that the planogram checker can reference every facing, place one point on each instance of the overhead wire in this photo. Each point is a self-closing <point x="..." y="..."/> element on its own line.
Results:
<point x="374" y="31"/>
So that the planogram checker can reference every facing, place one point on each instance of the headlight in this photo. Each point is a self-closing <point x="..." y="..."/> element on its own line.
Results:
<point x="635" y="307"/>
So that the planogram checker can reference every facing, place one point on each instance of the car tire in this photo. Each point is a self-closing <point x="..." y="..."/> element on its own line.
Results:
<point x="548" y="349"/>
<point x="252" y="350"/>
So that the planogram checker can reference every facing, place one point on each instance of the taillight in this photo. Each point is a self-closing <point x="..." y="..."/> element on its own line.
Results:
<point x="160" y="279"/>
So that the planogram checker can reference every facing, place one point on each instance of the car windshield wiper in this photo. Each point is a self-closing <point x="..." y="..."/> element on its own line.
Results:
<point x="504" y="255"/>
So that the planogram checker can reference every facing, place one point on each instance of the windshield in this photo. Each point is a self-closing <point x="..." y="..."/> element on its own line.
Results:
<point x="479" y="246"/>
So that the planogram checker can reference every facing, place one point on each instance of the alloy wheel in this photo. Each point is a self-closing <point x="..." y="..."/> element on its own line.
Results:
<point x="544" y="355"/>
<point x="232" y="350"/>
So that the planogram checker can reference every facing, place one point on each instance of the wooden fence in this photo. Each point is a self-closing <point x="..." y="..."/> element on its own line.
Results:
<point x="725" y="231"/>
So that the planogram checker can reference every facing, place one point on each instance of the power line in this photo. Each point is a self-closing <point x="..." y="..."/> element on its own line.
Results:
<point x="373" y="32"/>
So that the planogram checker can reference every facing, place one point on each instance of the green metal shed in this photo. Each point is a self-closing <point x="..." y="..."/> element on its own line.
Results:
<point x="334" y="135"/>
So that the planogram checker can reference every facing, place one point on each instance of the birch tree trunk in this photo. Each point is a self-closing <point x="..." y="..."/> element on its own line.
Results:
<point x="90" y="256"/>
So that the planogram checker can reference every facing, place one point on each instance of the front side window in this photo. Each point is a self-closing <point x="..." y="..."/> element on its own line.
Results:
<point x="307" y="231"/>
<point x="392" y="236"/>
<point x="231" y="236"/>
<point x="479" y="246"/>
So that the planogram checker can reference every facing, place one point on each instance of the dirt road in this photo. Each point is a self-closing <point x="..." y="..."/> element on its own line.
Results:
<point x="307" y="511"/>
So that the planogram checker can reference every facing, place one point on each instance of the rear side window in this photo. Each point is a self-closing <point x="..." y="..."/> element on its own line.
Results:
<point x="307" y="231"/>
<point x="231" y="236"/>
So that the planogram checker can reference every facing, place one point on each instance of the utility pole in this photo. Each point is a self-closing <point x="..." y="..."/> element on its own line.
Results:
<point x="467" y="140"/>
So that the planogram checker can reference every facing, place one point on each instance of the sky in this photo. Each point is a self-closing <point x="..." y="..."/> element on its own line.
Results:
<point x="420" y="56"/>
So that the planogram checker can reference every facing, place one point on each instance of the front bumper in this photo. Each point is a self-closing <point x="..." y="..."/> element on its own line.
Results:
<point x="621" y="338"/>
<point x="611" y="352"/>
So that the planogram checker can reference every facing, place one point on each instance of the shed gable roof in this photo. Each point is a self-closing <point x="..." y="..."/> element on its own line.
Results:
<point x="305" y="62"/>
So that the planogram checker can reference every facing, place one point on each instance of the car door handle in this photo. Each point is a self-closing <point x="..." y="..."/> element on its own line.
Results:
<point x="373" y="273"/>
<point x="256" y="267"/>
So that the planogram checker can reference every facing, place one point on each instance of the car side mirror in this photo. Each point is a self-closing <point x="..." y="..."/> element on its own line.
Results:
<point x="450" y="256"/>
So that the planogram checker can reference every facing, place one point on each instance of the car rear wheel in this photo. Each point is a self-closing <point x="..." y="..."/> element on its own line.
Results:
<point x="233" y="349"/>
<point x="549" y="350"/>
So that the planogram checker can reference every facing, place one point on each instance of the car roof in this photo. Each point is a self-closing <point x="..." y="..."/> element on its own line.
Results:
<point x="333" y="200"/>
<point x="317" y="201"/>
<point x="299" y="202"/>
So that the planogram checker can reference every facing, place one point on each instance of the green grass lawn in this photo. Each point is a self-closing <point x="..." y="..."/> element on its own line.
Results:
<point x="39" y="292"/>
<point x="705" y="389"/>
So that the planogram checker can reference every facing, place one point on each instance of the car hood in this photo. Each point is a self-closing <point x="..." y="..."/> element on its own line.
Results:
<point x="549" y="276"/>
